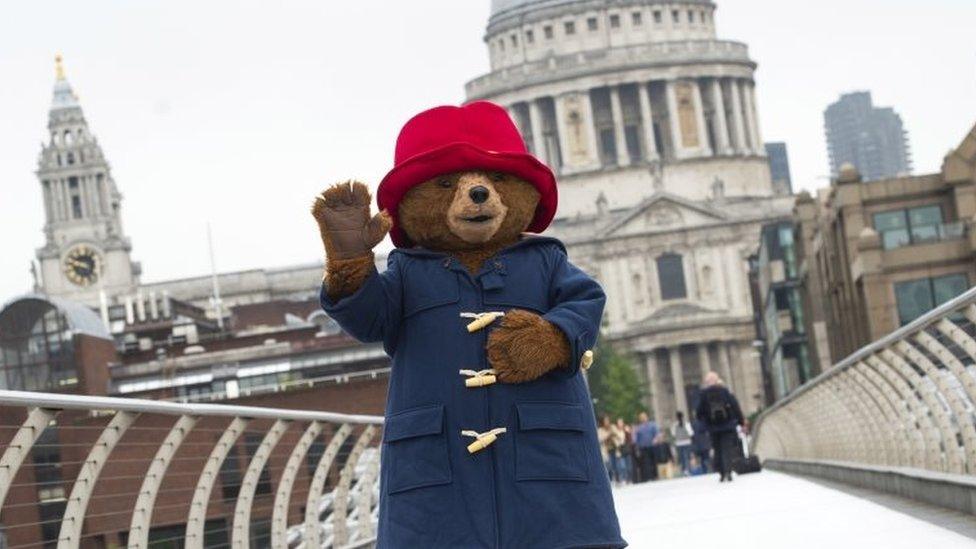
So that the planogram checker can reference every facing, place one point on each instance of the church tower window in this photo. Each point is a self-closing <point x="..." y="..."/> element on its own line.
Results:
<point x="671" y="276"/>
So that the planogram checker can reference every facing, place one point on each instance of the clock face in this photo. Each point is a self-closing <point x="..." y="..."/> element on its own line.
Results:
<point x="82" y="266"/>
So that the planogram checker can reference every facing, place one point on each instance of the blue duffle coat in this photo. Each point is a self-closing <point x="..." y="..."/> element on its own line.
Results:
<point x="542" y="483"/>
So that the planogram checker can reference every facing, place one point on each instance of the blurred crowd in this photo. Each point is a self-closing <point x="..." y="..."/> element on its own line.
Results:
<point x="650" y="450"/>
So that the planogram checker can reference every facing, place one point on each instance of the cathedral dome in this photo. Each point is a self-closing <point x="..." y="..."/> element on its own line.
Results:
<point x="500" y="6"/>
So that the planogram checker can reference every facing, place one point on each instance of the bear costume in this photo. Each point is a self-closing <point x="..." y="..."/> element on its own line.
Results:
<point x="490" y="436"/>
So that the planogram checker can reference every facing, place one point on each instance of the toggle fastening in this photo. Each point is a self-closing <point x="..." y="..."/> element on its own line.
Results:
<point x="479" y="378"/>
<point x="586" y="360"/>
<point x="481" y="319"/>
<point x="482" y="440"/>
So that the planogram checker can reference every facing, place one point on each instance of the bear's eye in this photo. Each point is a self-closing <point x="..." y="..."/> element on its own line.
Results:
<point x="445" y="183"/>
<point x="497" y="176"/>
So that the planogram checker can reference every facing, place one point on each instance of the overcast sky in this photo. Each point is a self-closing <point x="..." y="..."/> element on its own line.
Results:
<point x="238" y="112"/>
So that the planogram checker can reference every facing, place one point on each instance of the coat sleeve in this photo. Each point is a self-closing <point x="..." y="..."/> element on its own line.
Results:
<point x="736" y="410"/>
<point x="576" y="309"/>
<point x="373" y="312"/>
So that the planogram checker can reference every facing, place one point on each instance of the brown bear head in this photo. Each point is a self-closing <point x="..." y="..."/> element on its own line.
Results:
<point x="472" y="211"/>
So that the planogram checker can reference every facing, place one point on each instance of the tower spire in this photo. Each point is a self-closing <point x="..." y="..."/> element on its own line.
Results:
<point x="58" y="67"/>
<point x="64" y="96"/>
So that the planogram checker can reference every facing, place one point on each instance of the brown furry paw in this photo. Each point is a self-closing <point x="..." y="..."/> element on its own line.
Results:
<point x="347" y="230"/>
<point x="525" y="346"/>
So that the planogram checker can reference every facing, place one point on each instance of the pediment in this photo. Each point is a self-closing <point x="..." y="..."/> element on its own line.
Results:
<point x="664" y="212"/>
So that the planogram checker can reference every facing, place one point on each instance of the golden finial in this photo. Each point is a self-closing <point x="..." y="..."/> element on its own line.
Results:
<point x="58" y="67"/>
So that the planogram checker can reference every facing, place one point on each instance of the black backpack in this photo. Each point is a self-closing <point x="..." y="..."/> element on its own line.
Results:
<point x="718" y="407"/>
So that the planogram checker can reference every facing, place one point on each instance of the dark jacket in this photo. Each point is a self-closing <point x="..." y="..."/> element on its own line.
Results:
<point x="718" y="393"/>
<point x="700" y="441"/>
<point x="542" y="483"/>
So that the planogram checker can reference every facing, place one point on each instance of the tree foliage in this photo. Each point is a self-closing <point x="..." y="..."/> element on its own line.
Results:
<point x="614" y="384"/>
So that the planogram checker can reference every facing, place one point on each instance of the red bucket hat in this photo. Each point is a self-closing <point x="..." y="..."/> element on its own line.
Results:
<point x="476" y="136"/>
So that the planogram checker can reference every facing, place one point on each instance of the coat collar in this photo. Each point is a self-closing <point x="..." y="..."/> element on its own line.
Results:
<point x="527" y="240"/>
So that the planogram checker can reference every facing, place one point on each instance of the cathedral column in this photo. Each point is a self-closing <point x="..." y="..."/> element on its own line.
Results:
<point x="676" y="143"/>
<point x="96" y="195"/>
<point x="738" y="120"/>
<point x="619" y="135"/>
<point x="705" y="148"/>
<point x="589" y="125"/>
<point x="538" y="139"/>
<point x="680" y="399"/>
<point x="726" y="369"/>
<point x="48" y="210"/>
<point x="721" y="128"/>
<point x="750" y="125"/>
<point x="562" y="131"/>
<point x="647" y="120"/>
<point x="751" y="98"/>
<point x="654" y="380"/>
<point x="65" y="199"/>
<point x="704" y="361"/>
<point x="91" y="208"/>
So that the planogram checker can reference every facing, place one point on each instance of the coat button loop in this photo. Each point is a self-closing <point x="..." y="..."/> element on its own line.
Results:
<point x="482" y="440"/>
<point x="586" y="360"/>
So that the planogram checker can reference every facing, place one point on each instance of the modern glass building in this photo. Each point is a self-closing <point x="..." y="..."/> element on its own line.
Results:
<point x="781" y="326"/>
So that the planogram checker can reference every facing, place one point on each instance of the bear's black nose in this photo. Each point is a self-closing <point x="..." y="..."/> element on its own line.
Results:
<point x="478" y="194"/>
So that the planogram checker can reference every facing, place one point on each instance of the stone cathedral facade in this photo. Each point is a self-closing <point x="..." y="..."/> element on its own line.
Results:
<point x="652" y="125"/>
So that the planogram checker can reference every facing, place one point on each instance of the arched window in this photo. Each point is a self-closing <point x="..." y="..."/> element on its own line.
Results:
<point x="671" y="276"/>
<point x="68" y="137"/>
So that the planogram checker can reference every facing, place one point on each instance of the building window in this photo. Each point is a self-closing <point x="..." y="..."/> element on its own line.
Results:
<point x="657" y="17"/>
<point x="671" y="277"/>
<point x="514" y="40"/>
<point x="71" y="158"/>
<point x="917" y="297"/>
<point x="909" y="226"/>
<point x="636" y="19"/>
<point x="570" y="27"/>
<point x="501" y="45"/>
<point x="608" y="147"/>
<point x="547" y="32"/>
<point x="675" y="16"/>
<point x="614" y="21"/>
<point x="529" y="37"/>
<point x="591" y="24"/>
<point x="632" y="136"/>
<point x="691" y="17"/>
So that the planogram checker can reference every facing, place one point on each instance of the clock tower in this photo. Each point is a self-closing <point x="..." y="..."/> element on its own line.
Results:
<point x="85" y="251"/>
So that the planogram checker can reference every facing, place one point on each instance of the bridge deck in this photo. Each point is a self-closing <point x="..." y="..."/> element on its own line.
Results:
<point x="770" y="510"/>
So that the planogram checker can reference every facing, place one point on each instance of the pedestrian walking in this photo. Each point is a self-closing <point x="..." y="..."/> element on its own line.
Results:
<point x="603" y="435"/>
<point x="619" y="455"/>
<point x="701" y="444"/>
<point x="720" y="411"/>
<point x="681" y="433"/>
<point x="663" y="457"/>
<point x="644" y="434"/>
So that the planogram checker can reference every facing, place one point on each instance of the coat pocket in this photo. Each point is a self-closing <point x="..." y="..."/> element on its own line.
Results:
<point x="550" y="444"/>
<point x="416" y="449"/>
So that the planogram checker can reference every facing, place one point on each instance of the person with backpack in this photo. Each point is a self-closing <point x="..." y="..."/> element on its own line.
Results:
<point x="720" y="411"/>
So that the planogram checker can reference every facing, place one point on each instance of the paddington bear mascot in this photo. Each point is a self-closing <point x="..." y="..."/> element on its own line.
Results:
<point x="489" y="439"/>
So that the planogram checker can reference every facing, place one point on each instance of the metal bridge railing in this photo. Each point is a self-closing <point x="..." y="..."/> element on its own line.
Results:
<point x="108" y="471"/>
<point x="906" y="400"/>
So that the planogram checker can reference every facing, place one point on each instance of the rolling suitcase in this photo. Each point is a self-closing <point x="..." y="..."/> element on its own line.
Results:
<point x="746" y="463"/>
